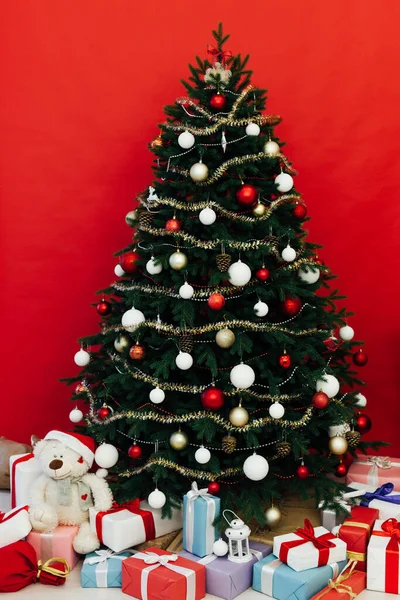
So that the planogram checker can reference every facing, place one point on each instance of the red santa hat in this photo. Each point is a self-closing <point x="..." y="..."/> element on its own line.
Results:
<point x="83" y="444"/>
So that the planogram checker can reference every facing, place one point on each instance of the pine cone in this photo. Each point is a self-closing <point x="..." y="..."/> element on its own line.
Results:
<point x="223" y="262"/>
<point x="186" y="343"/>
<point x="146" y="218"/>
<point x="353" y="438"/>
<point x="282" y="449"/>
<point x="229" y="444"/>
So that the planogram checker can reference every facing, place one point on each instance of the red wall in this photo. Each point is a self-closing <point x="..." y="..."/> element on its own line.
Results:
<point x="83" y="85"/>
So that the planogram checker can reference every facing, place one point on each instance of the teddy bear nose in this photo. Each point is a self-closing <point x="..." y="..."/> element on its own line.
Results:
<point x="56" y="464"/>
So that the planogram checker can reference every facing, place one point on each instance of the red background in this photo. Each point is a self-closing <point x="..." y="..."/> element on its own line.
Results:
<point x="83" y="85"/>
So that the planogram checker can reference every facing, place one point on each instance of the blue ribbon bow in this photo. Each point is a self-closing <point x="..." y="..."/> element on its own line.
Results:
<point x="381" y="493"/>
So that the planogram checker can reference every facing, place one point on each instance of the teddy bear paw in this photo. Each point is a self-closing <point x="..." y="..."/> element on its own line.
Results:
<point x="85" y="541"/>
<point x="43" y="518"/>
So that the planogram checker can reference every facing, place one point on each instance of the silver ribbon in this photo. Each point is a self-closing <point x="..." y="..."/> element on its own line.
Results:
<point x="267" y="576"/>
<point x="101" y="560"/>
<point x="192" y="496"/>
<point x="376" y="463"/>
<point x="46" y="546"/>
<point x="163" y="560"/>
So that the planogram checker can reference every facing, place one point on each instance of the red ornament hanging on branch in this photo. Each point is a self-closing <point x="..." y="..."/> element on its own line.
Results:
<point x="303" y="472"/>
<point x="291" y="306"/>
<point x="247" y="195"/>
<point x="216" y="301"/>
<point x="104" y="412"/>
<point x="262" y="274"/>
<point x="299" y="211"/>
<point x="173" y="225"/>
<point x="341" y="470"/>
<point x="285" y="360"/>
<point x="218" y="102"/>
<point x="212" y="398"/>
<point x="360" y="358"/>
<point x="363" y="423"/>
<point x="128" y="261"/>
<point x="213" y="488"/>
<point x="103" y="308"/>
<point x="135" y="452"/>
<point x="320" y="400"/>
<point x="137" y="352"/>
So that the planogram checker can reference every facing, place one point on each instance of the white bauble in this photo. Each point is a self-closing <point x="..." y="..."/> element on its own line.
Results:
<point x="186" y="140"/>
<point x="184" y="361"/>
<point x="307" y="275"/>
<point x="178" y="260"/>
<point x="152" y="267"/>
<point x="198" y="172"/>
<point x="106" y="456"/>
<point x="75" y="415"/>
<point x="284" y="182"/>
<point x="276" y="410"/>
<point x="288" y="253"/>
<point x="239" y="273"/>
<point x="131" y="216"/>
<point x="271" y="148"/>
<point x="252" y="129"/>
<point x="132" y="318"/>
<point x="156" y="499"/>
<point x="242" y="376"/>
<point x="261" y="309"/>
<point x="118" y="270"/>
<point x="338" y="430"/>
<point x="207" y="216"/>
<point x="122" y="343"/>
<point x="157" y="395"/>
<point x="82" y="358"/>
<point x="256" y="467"/>
<point x="346" y="333"/>
<point x="330" y="387"/>
<point x="202" y="455"/>
<point x="361" y="400"/>
<point x="186" y="291"/>
<point x="102" y="473"/>
<point x="220" y="547"/>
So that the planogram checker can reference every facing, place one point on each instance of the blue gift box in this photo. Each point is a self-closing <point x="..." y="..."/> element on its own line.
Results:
<point x="273" y="578"/>
<point x="199" y="511"/>
<point x="103" y="569"/>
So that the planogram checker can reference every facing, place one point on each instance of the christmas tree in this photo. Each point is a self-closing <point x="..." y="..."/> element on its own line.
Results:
<point x="222" y="357"/>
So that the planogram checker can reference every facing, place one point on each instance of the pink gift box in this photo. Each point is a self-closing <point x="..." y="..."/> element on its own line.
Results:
<point x="375" y="471"/>
<point x="57" y="543"/>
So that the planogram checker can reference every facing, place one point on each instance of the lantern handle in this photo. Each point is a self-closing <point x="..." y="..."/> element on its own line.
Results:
<point x="231" y="511"/>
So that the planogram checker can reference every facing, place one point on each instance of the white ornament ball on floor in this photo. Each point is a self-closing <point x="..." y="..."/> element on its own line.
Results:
<point x="132" y="318"/>
<point x="118" y="270"/>
<point x="346" y="333"/>
<point x="276" y="410"/>
<point x="82" y="358"/>
<point x="261" y="309"/>
<point x="184" y="361"/>
<point x="178" y="260"/>
<point x="156" y="499"/>
<point x="157" y="395"/>
<point x="252" y="129"/>
<point x="207" y="216"/>
<point x="106" y="456"/>
<point x="288" y="253"/>
<point x="220" y="547"/>
<point x="256" y="467"/>
<point x="338" y="430"/>
<point x="361" y="400"/>
<point x="76" y="415"/>
<point x="330" y="387"/>
<point x="186" y="140"/>
<point x="202" y="455"/>
<point x="284" y="182"/>
<point x="239" y="273"/>
<point x="152" y="267"/>
<point x="307" y="275"/>
<point x="271" y="148"/>
<point x="198" y="172"/>
<point x="102" y="473"/>
<point x="242" y="376"/>
<point x="186" y="291"/>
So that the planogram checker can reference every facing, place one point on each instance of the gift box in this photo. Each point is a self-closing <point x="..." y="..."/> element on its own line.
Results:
<point x="350" y="582"/>
<point x="356" y="531"/>
<point x="227" y="579"/>
<point x="56" y="543"/>
<point x="14" y="525"/>
<point x="374" y="471"/>
<point x="103" y="569"/>
<point x="131" y="524"/>
<point x="383" y="574"/>
<point x="308" y="547"/>
<point x="156" y="574"/>
<point x="331" y="518"/>
<point x="274" y="578"/>
<point x="199" y="511"/>
<point x="383" y="498"/>
<point x="24" y="470"/>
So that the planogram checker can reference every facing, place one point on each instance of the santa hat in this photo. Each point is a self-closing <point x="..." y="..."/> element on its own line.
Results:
<point x="83" y="444"/>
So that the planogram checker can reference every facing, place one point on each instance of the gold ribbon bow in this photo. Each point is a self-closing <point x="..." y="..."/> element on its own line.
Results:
<point x="337" y="584"/>
<point x="49" y="569"/>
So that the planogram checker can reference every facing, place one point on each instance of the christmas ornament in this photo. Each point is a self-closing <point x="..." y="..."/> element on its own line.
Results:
<point x="239" y="273"/>
<point x="207" y="216"/>
<point x="225" y="338"/>
<point x="102" y="473"/>
<point x="218" y="75"/>
<point x="76" y="415"/>
<point x="284" y="182"/>
<point x="213" y="488"/>
<point x="307" y="275"/>
<point x="341" y="470"/>
<point x="104" y="412"/>
<point x="202" y="455"/>
<point x="259" y="210"/>
<point x="132" y="318"/>
<point x="252" y="129"/>
<point x="157" y="395"/>
<point x="186" y="140"/>
<point x="178" y="440"/>
<point x="341" y="429"/>
<point x="216" y="301"/>
<point x="238" y="539"/>
<point x="247" y="195"/>
<point x="320" y="400"/>
<point x="271" y="148"/>
<point x="137" y="352"/>
<point x="291" y="306"/>
<point x="135" y="451"/>
<point x="212" y="398"/>
<point x="157" y="142"/>
<point x="331" y="343"/>
<point x="276" y="410"/>
<point x="82" y="358"/>
<point x="156" y="499"/>
<point x="262" y="274"/>
<point x="299" y="211"/>
<point x="223" y="262"/>
<point x="173" y="225"/>
<point x="242" y="376"/>
<point x="131" y="216"/>
<point x="198" y="172"/>
<point x="145" y="218"/>
<point x="220" y="547"/>
<point x="104" y="308"/>
<point x="353" y="438"/>
<point x="363" y="423"/>
<point x="218" y="102"/>
<point x="186" y="291"/>
<point x="302" y="471"/>
<point x="282" y="449"/>
<point x="186" y="343"/>
<point x="261" y="309"/>
<point x="118" y="270"/>
<point x="153" y="267"/>
<point x="273" y="516"/>
<point x="330" y="385"/>
<point x="360" y="358"/>
<point x="338" y="445"/>
<point x="80" y="388"/>
<point x="184" y="361"/>
<point x="239" y="416"/>
<point x="361" y="400"/>
<point x="178" y="260"/>
<point x="128" y="262"/>
<point x="288" y="253"/>
<point x="106" y="456"/>
<point x="122" y="343"/>
<point x="229" y="443"/>
<point x="285" y="360"/>
<point x="256" y="467"/>
<point x="346" y="333"/>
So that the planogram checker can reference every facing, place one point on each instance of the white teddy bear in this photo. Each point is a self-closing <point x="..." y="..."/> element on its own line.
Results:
<point x="65" y="491"/>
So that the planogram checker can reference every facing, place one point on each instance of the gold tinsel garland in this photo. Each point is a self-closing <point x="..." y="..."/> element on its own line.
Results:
<point x="153" y="289"/>
<point x="192" y="473"/>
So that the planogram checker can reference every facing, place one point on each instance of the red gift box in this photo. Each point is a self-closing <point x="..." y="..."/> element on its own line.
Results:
<point x="160" y="575"/>
<point x="350" y="582"/>
<point x="356" y="531"/>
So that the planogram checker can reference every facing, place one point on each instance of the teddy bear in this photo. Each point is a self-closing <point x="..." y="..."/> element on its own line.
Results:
<point x="65" y="491"/>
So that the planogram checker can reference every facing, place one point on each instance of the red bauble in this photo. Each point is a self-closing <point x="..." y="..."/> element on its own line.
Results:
<point x="103" y="308"/>
<point x="303" y="472"/>
<point x="128" y="261"/>
<point x="173" y="225"/>
<point x="247" y="195"/>
<point x="213" y="488"/>
<point x="320" y="400"/>
<point x="285" y="361"/>
<point x="299" y="210"/>
<point x="318" y="261"/>
<point x="80" y="389"/>
<point x="291" y="306"/>
<point x="341" y="470"/>
<point x="218" y="102"/>
<point x="137" y="352"/>
<point x="135" y="451"/>
<point x="363" y="423"/>
<point x="360" y="359"/>
<point x="331" y="343"/>
<point x="262" y="274"/>
<point x="216" y="301"/>
<point x="103" y="412"/>
<point x="212" y="398"/>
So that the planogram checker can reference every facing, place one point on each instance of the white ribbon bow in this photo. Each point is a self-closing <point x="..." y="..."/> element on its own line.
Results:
<point x="163" y="560"/>
<point x="104" y="555"/>
<point x="195" y="492"/>
<point x="151" y="558"/>
<point x="101" y="562"/>
<point x="382" y="462"/>
<point x="192" y="495"/>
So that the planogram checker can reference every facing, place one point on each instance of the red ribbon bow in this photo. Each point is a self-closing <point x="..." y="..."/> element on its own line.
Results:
<point x="306" y="533"/>
<point x="133" y="507"/>
<point x="222" y="55"/>
<point x="391" y="528"/>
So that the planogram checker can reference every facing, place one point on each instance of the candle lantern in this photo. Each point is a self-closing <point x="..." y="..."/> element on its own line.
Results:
<point x="238" y="539"/>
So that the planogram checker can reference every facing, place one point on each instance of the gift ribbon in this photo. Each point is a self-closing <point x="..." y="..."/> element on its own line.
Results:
<point x="133" y="507"/>
<point x="375" y="463"/>
<point x="163" y="560"/>
<point x="337" y="584"/>
<point x="7" y="516"/>
<point x="391" y="529"/>
<point x="101" y="562"/>
<point x="206" y="560"/>
<point x="381" y="493"/>
<point x="16" y="462"/>
<point x="46" y="568"/>
<point x="221" y="55"/>
<point x="192" y="496"/>
<point x="322" y="543"/>
<point x="358" y="556"/>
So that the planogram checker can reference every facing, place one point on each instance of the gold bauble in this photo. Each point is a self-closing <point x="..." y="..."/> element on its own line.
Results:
<point x="338" y="445"/>
<point x="178" y="440"/>
<point x="225" y="338"/>
<point x="178" y="260"/>
<point x="273" y="516"/>
<point x="239" y="416"/>
<point x="131" y="216"/>
<point x="271" y="148"/>
<point x="259" y="210"/>
<point x="122" y="343"/>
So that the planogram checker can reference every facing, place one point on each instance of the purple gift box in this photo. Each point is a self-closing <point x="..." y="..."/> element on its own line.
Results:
<point x="228" y="579"/>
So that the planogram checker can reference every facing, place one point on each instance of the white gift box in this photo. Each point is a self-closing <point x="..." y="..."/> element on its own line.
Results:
<point x="387" y="510"/>
<point x="24" y="470"/>
<point x="383" y="573"/>
<point x="307" y="555"/>
<point x="330" y="518"/>
<point x="14" y="525"/>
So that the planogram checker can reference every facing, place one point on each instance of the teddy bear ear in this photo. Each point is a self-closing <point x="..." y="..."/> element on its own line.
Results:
<point x="39" y="447"/>
<point x="34" y="440"/>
